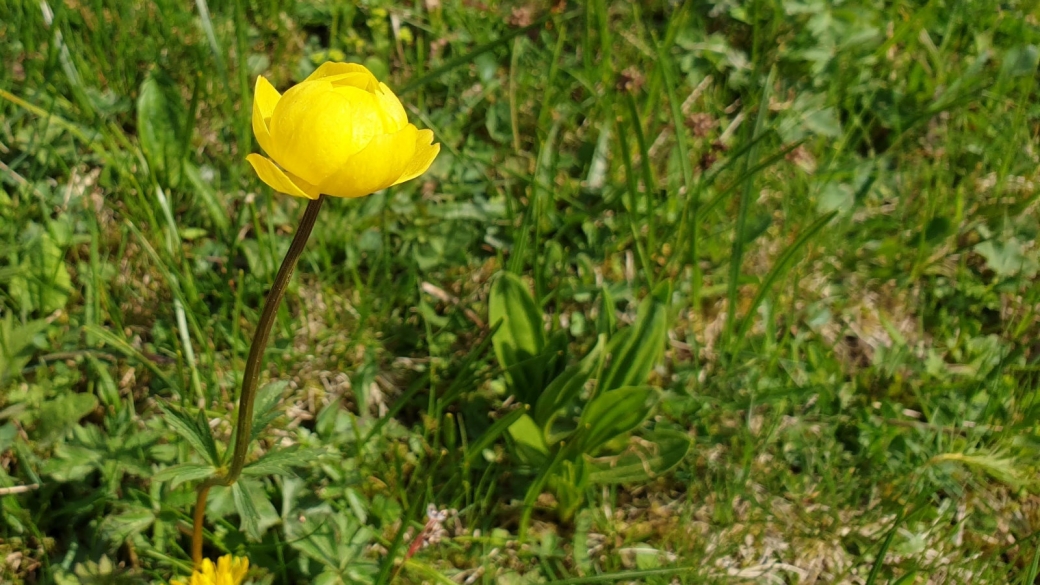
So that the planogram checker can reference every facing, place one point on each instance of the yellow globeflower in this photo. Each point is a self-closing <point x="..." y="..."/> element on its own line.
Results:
<point x="339" y="132"/>
<point x="229" y="570"/>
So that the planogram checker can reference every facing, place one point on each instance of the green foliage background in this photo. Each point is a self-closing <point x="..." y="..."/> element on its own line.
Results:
<point x="840" y="199"/>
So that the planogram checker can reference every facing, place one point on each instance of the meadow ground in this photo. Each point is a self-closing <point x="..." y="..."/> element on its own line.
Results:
<point x="811" y="225"/>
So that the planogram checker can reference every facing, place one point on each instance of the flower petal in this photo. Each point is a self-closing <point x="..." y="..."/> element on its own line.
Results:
<point x="345" y="74"/>
<point x="318" y="127"/>
<point x="265" y="98"/>
<point x="279" y="180"/>
<point x="392" y="107"/>
<point x="423" y="157"/>
<point x="376" y="167"/>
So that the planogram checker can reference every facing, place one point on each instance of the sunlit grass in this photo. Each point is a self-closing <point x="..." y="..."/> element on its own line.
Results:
<point x="843" y="199"/>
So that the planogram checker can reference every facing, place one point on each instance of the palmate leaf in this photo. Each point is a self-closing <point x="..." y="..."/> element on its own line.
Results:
<point x="193" y="430"/>
<point x="117" y="528"/>
<point x="280" y="461"/>
<point x="185" y="472"/>
<point x="247" y="511"/>
<point x="264" y="411"/>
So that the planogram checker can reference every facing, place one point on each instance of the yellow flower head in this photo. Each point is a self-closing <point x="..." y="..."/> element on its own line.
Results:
<point x="339" y="132"/>
<point x="229" y="570"/>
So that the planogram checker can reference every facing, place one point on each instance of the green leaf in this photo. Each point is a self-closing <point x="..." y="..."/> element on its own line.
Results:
<point x="195" y="431"/>
<point x="43" y="283"/>
<point x="58" y="415"/>
<point x="569" y="484"/>
<point x="185" y="472"/>
<point x="1008" y="258"/>
<point x="779" y="268"/>
<point x="116" y="529"/>
<point x="16" y="345"/>
<point x="640" y="463"/>
<point x="280" y="462"/>
<point x="264" y="411"/>
<point x="500" y="426"/>
<point x="247" y="511"/>
<point x="211" y="202"/>
<point x="1000" y="467"/>
<point x="1021" y="60"/>
<point x="613" y="414"/>
<point x="71" y="463"/>
<point x="161" y="128"/>
<point x="636" y="350"/>
<point x="520" y="340"/>
<point x="529" y="439"/>
<point x="566" y="387"/>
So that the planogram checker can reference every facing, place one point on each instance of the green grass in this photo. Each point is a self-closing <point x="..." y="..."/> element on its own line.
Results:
<point x="843" y="197"/>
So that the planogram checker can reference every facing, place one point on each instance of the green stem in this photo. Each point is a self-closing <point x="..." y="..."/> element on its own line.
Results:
<point x="244" y="426"/>
<point x="246" y="398"/>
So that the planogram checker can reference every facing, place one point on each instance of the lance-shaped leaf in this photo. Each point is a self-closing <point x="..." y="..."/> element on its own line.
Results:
<point x="520" y="340"/>
<point x="635" y="350"/>
<point x="493" y="432"/>
<point x="566" y="387"/>
<point x="658" y="453"/>
<point x="529" y="440"/>
<point x="613" y="414"/>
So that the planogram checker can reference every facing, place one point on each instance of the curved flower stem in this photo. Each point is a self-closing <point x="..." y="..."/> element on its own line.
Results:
<point x="244" y="425"/>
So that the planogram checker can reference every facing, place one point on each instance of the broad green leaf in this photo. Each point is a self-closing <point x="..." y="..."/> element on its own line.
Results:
<point x="247" y="511"/>
<point x="280" y="462"/>
<point x="613" y="414"/>
<point x="161" y="128"/>
<point x="566" y="387"/>
<point x="185" y="472"/>
<point x="529" y="439"/>
<point x="636" y="350"/>
<point x="662" y="451"/>
<point x="520" y="338"/>
<point x="195" y="431"/>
